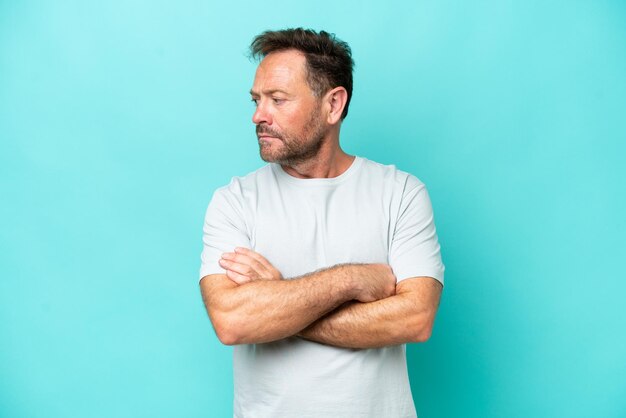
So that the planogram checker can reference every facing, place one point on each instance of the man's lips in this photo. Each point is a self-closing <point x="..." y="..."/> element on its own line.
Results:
<point x="268" y="137"/>
<point x="264" y="132"/>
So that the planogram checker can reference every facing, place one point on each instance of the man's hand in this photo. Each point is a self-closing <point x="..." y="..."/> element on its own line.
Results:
<point x="373" y="281"/>
<point x="245" y="265"/>
<point x="406" y="317"/>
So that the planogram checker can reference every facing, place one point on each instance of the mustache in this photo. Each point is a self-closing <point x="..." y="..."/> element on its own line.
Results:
<point x="264" y="129"/>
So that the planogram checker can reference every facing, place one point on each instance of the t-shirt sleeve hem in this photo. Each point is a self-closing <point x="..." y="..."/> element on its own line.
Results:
<point x="437" y="275"/>
<point x="205" y="271"/>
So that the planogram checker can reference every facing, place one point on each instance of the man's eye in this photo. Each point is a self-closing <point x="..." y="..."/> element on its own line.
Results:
<point x="255" y="101"/>
<point x="277" y="100"/>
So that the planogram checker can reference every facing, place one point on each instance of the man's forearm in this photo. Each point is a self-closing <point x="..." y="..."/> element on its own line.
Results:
<point x="268" y="310"/>
<point x="360" y="325"/>
<point x="405" y="317"/>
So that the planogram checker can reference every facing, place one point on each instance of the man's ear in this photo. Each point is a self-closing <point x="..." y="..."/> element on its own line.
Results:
<point x="336" y="100"/>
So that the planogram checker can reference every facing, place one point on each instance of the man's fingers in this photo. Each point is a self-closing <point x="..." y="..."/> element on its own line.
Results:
<point x="256" y="256"/>
<point x="236" y="277"/>
<point x="246" y="259"/>
<point x="249" y="263"/>
<point x="237" y="267"/>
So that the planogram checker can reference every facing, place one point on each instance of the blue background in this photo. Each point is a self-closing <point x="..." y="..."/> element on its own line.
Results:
<point x="118" y="119"/>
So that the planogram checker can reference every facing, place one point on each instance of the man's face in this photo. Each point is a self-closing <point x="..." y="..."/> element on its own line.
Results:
<point x="288" y="119"/>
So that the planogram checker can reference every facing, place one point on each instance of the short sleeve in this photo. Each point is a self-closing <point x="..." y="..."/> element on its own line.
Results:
<point x="415" y="249"/>
<point x="224" y="229"/>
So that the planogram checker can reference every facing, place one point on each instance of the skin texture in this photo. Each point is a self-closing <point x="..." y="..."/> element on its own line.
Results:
<point x="351" y="305"/>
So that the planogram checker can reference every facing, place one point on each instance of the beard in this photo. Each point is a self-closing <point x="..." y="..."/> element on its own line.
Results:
<point x="293" y="149"/>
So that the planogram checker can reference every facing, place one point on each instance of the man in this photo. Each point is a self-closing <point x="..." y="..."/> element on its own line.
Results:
<point x="319" y="266"/>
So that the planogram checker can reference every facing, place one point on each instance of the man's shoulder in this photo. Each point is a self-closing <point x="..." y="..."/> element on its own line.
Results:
<point x="239" y="185"/>
<point x="391" y="173"/>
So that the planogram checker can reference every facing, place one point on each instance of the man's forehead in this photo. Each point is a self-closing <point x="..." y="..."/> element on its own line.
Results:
<point x="279" y="69"/>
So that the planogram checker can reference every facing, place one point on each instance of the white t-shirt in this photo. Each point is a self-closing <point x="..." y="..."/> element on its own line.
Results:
<point x="371" y="213"/>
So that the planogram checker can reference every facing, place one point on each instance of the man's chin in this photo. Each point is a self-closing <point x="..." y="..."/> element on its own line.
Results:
<point x="271" y="152"/>
<point x="267" y="156"/>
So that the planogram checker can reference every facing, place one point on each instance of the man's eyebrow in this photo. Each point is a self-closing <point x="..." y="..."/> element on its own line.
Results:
<point x="268" y="92"/>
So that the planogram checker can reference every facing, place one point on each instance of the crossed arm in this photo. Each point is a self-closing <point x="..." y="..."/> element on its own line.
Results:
<point x="407" y="316"/>
<point x="350" y="305"/>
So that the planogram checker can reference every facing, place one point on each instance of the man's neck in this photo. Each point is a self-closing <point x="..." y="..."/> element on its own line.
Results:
<point x="326" y="164"/>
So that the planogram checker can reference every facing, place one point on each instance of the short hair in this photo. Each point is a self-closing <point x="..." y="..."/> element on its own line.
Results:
<point x="329" y="61"/>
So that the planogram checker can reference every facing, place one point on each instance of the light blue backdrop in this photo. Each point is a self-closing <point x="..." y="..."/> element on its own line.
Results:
<point x="119" y="118"/>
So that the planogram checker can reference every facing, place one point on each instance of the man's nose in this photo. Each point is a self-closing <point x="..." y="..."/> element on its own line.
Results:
<point x="261" y="115"/>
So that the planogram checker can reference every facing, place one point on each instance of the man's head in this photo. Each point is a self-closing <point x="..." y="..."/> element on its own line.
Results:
<point x="329" y="61"/>
<point x="302" y="89"/>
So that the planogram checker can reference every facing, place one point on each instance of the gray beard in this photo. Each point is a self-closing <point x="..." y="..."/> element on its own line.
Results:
<point x="295" y="150"/>
<point x="294" y="154"/>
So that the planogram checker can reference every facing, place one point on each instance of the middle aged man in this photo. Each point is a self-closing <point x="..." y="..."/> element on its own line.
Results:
<point x="320" y="265"/>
